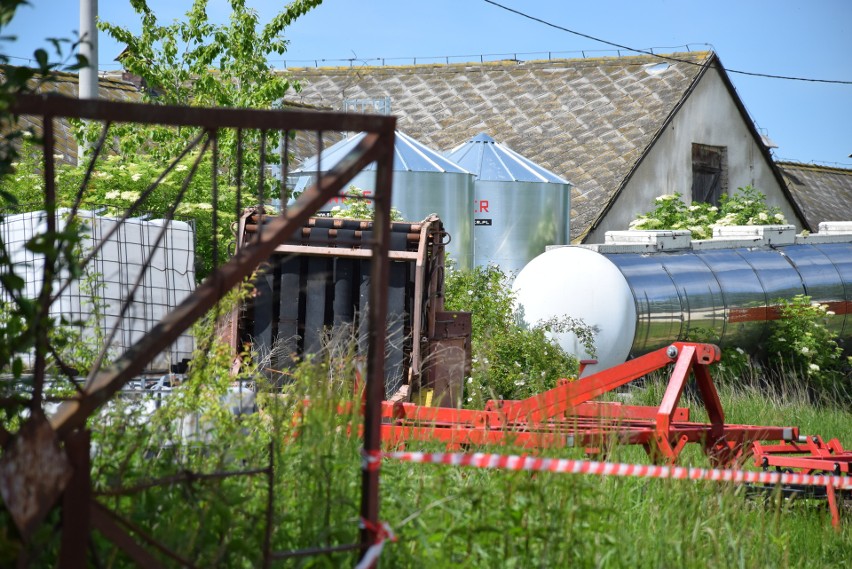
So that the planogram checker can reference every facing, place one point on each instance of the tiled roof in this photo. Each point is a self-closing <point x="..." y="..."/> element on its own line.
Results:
<point x="822" y="192"/>
<point x="66" y="84"/>
<point x="587" y="120"/>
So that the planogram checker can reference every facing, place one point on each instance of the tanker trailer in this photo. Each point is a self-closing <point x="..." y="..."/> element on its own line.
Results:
<point x="643" y="290"/>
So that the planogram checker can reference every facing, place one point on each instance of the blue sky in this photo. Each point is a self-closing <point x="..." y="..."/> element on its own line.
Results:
<point x="810" y="122"/>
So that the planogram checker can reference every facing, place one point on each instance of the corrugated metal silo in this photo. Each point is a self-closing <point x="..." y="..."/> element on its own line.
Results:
<point x="519" y="207"/>
<point x="424" y="182"/>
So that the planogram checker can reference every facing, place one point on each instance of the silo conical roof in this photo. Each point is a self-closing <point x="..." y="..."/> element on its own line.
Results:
<point x="491" y="161"/>
<point x="409" y="156"/>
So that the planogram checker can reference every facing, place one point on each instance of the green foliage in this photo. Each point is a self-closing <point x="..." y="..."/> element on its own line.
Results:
<point x="25" y="322"/>
<point x="119" y="183"/>
<point x="746" y="207"/>
<point x="197" y="62"/>
<point x="356" y="206"/>
<point x="802" y="342"/>
<point x="510" y="361"/>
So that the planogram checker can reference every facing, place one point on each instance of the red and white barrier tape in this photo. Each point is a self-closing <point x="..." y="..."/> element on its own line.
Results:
<point x="383" y="533"/>
<point x="514" y="462"/>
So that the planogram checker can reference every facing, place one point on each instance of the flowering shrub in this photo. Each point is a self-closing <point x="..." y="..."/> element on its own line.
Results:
<point x="801" y="340"/>
<point x="510" y="361"/>
<point x="746" y="207"/>
<point x="118" y="182"/>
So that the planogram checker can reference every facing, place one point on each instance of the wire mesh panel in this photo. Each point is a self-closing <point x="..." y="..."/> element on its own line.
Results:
<point x="93" y="303"/>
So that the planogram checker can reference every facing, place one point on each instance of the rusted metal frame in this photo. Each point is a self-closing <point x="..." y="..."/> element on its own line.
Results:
<point x="74" y="413"/>
<point x="278" y="555"/>
<point x="110" y="525"/>
<point x="75" y="502"/>
<point x="132" y="209"/>
<point x="213" y="137"/>
<point x="90" y="168"/>
<point x="311" y="251"/>
<point x="270" y="504"/>
<point x="161" y="234"/>
<point x="417" y="317"/>
<point x="377" y="331"/>
<point x="239" y="176"/>
<point x="203" y="117"/>
<point x="50" y="256"/>
<point x="285" y="167"/>
<point x="185" y="477"/>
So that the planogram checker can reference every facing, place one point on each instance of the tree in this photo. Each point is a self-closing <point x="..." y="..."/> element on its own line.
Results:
<point x="197" y="62"/>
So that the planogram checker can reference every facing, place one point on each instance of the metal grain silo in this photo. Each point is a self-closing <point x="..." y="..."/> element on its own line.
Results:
<point x="722" y="291"/>
<point x="519" y="208"/>
<point x="424" y="182"/>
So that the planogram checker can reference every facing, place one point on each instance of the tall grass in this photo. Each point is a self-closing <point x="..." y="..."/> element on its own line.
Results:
<point x="447" y="516"/>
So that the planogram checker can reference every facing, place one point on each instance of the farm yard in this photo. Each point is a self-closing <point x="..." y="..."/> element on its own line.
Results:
<point x="233" y="334"/>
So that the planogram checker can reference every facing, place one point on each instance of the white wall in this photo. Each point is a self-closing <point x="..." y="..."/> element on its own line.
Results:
<point x="709" y="116"/>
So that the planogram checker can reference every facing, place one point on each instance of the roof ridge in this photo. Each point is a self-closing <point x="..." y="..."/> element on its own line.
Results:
<point x="635" y="59"/>
<point x="814" y="167"/>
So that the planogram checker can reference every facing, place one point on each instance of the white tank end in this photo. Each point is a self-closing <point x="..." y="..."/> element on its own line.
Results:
<point x="578" y="282"/>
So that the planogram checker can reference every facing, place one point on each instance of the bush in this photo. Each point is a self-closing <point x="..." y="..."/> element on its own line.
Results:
<point x="510" y="361"/>
<point x="746" y="207"/>
<point x="801" y="342"/>
<point x="118" y="183"/>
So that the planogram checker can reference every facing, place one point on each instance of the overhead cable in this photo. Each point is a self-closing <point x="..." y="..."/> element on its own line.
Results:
<point x="664" y="57"/>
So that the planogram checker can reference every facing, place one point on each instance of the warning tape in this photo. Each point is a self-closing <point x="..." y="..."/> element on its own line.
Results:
<point x="563" y="465"/>
<point x="383" y="533"/>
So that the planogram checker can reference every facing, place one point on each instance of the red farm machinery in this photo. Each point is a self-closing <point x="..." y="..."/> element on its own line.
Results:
<point x="318" y="279"/>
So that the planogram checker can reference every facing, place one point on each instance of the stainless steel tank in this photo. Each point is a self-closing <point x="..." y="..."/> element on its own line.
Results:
<point x="726" y="296"/>
<point x="519" y="208"/>
<point x="424" y="182"/>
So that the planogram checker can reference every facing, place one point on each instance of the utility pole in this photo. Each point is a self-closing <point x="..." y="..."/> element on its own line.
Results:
<point x="88" y="78"/>
<point x="89" y="48"/>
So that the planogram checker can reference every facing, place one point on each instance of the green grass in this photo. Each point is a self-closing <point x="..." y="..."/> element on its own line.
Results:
<point x="447" y="516"/>
<point x="473" y="518"/>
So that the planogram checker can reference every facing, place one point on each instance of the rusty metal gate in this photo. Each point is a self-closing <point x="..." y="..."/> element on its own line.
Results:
<point x="45" y="463"/>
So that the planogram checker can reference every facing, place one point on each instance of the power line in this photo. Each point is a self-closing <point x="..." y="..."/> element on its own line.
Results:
<point x="646" y="52"/>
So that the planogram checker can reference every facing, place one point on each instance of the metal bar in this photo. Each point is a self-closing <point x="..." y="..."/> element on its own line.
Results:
<point x="674" y="389"/>
<point x="562" y="398"/>
<point x="102" y="522"/>
<point x="270" y="503"/>
<point x="107" y="522"/>
<point x="311" y="251"/>
<point x="177" y="479"/>
<point x="276" y="555"/>
<point x="75" y="502"/>
<point x="74" y="413"/>
<point x="44" y="301"/>
<point x="204" y="117"/>
<point x="711" y="400"/>
<point x="375" y="389"/>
